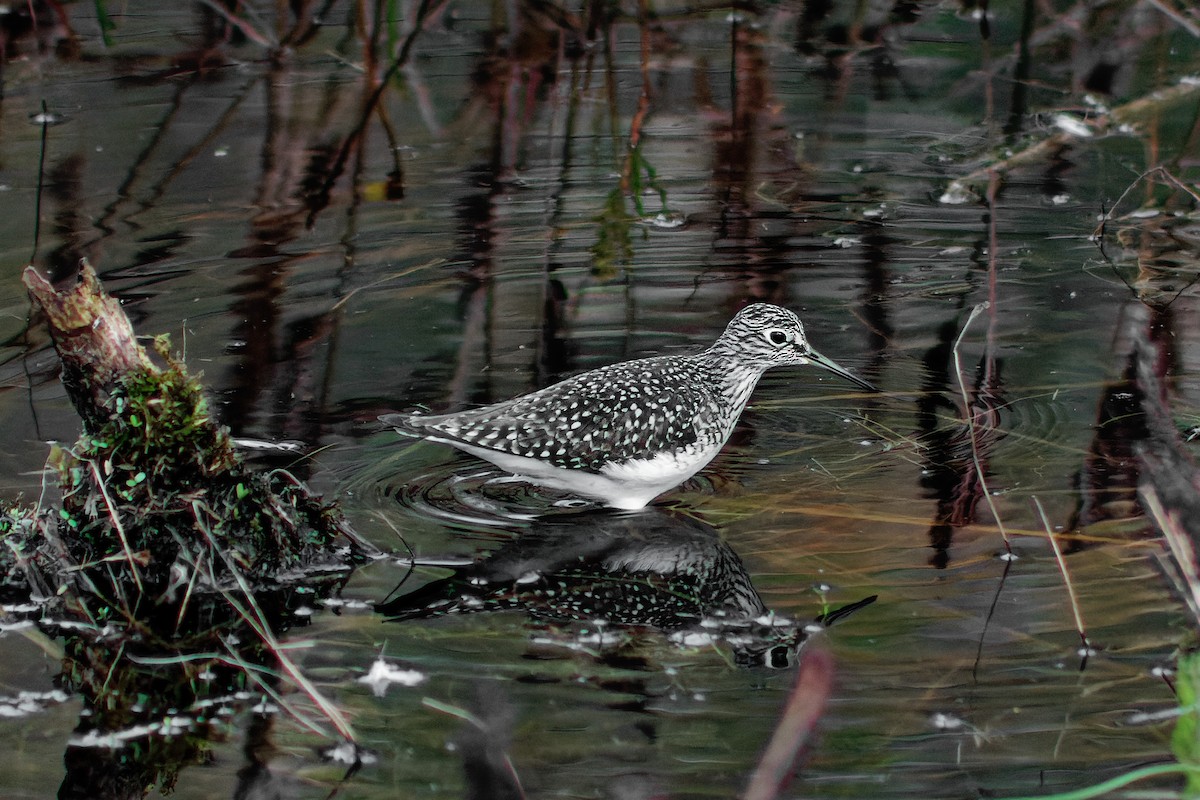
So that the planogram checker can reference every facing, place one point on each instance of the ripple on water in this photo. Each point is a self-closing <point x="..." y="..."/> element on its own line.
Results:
<point x="480" y="496"/>
<point x="1035" y="428"/>
<point x="1039" y="422"/>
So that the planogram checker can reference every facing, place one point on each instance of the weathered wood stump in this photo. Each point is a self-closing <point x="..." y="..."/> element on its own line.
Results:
<point x="171" y="565"/>
<point x="93" y="337"/>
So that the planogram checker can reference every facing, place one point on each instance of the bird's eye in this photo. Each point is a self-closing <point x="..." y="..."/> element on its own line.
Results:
<point x="777" y="337"/>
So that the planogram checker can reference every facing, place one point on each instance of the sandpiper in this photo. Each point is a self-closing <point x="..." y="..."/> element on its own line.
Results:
<point x="625" y="433"/>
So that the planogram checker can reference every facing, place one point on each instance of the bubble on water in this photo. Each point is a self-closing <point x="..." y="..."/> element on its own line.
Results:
<point x="957" y="194"/>
<point x="48" y="118"/>
<point x="666" y="220"/>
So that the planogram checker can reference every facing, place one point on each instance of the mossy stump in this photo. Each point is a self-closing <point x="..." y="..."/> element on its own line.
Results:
<point x="170" y="567"/>
<point x="154" y="495"/>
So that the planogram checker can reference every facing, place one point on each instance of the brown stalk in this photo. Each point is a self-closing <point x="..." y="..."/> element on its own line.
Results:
<point x="1085" y="647"/>
<point x="806" y="703"/>
<point x="1186" y="576"/>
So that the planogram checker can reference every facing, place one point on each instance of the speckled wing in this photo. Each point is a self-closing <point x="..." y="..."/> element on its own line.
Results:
<point x="613" y="414"/>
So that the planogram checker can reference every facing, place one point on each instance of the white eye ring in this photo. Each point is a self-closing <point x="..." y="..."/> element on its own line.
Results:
<point x="777" y="336"/>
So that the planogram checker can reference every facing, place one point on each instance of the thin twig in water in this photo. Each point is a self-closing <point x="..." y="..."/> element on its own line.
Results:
<point x="37" y="198"/>
<point x="1098" y="232"/>
<point x="975" y="459"/>
<point x="1086" y="647"/>
<point x="412" y="557"/>
<point x="395" y="275"/>
<point x="987" y="621"/>
<point x="985" y="381"/>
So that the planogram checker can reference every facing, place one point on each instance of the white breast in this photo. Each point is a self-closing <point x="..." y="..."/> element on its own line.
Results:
<point x="628" y="485"/>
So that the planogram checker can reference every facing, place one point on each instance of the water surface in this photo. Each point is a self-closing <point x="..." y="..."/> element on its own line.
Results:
<point x="533" y="199"/>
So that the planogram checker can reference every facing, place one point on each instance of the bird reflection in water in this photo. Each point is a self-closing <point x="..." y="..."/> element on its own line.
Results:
<point x="656" y="568"/>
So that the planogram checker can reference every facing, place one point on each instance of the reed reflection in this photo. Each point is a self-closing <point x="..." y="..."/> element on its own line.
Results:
<point x="957" y="456"/>
<point x="1133" y="435"/>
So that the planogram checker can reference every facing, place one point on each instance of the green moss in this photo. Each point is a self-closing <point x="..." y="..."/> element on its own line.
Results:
<point x="1185" y="740"/>
<point x="161" y="481"/>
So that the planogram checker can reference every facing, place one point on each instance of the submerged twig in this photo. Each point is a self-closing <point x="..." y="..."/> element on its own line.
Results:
<point x="987" y="620"/>
<point x="37" y="197"/>
<point x="1085" y="646"/>
<point x="1099" y="231"/>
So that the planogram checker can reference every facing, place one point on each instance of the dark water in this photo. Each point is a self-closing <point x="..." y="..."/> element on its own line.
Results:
<point x="477" y="230"/>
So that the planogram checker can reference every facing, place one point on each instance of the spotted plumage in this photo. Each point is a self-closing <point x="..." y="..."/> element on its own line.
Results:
<point x="625" y="433"/>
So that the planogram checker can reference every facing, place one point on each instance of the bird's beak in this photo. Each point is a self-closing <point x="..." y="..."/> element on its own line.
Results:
<point x="828" y="363"/>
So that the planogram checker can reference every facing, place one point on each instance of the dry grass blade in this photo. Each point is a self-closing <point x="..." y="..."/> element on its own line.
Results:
<point x="437" y="262"/>
<point x="254" y="617"/>
<point x="1085" y="647"/>
<point x="117" y="526"/>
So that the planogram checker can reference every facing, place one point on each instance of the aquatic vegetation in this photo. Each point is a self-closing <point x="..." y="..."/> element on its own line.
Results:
<point x="159" y="476"/>
<point x="170" y="565"/>
<point x="154" y="494"/>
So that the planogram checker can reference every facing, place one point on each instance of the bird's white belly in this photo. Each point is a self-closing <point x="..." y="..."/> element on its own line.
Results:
<point x="676" y="466"/>
<point x="627" y="485"/>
